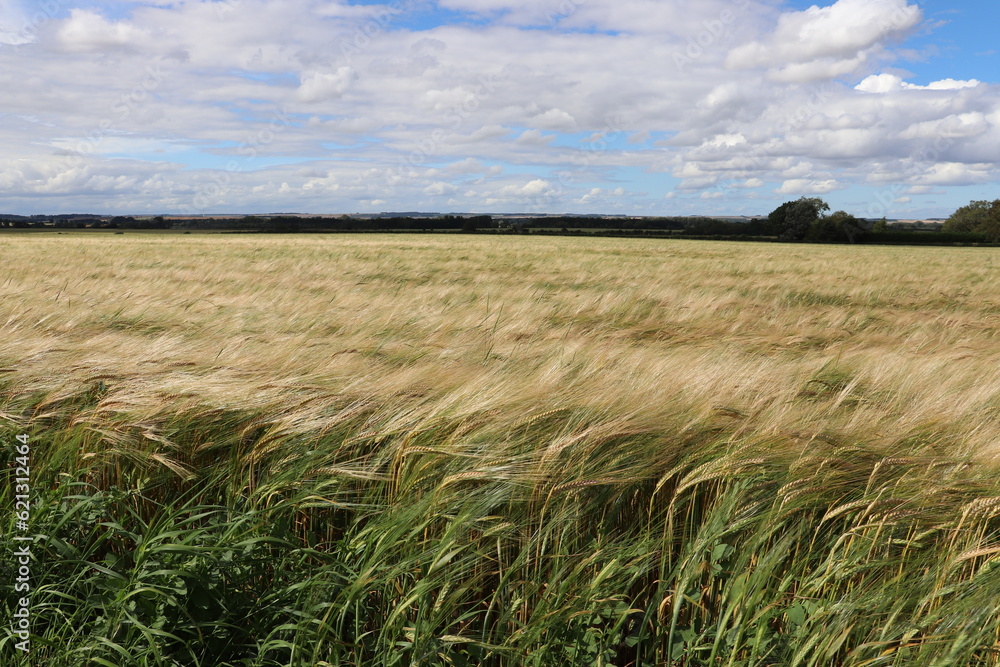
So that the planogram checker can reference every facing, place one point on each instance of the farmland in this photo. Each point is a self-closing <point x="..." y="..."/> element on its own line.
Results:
<point x="443" y="450"/>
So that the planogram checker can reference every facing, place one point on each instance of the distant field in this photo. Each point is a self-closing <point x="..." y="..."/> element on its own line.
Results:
<point x="464" y="450"/>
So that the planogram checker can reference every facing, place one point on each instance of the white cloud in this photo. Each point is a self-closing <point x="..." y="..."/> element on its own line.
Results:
<point x="952" y="173"/>
<point x="601" y="196"/>
<point x="334" y="105"/>
<point x="802" y="186"/>
<point x="948" y="84"/>
<point x="440" y="188"/>
<point x="535" y="188"/>
<point x="322" y="86"/>
<point x="555" y="119"/>
<point x="827" y="42"/>
<point x="955" y="126"/>
<point x="86" y="30"/>
<point x="535" y="138"/>
<point x="890" y="83"/>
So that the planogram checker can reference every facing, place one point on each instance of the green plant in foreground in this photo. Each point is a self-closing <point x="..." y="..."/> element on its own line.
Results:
<point x="714" y="558"/>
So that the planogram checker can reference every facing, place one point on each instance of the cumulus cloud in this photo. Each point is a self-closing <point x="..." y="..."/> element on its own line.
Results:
<point x="555" y="119"/>
<point x="601" y="196"/>
<point x="534" y="188"/>
<point x="955" y="126"/>
<point x="952" y="173"/>
<point x="535" y="138"/>
<point x="802" y="186"/>
<point x="827" y="42"/>
<point x="440" y="188"/>
<point x="86" y="30"/>
<point x="321" y="86"/>
<point x="331" y="106"/>
<point x="890" y="83"/>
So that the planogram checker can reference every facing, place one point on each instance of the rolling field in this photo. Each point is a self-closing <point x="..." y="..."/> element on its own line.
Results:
<point x="463" y="450"/>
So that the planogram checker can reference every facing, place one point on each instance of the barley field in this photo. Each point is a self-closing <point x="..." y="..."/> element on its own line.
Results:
<point x="403" y="450"/>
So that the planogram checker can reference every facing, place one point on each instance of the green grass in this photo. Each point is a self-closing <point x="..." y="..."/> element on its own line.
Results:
<point x="443" y="546"/>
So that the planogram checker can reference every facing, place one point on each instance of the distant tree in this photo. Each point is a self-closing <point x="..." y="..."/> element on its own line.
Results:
<point x="839" y="227"/>
<point x="794" y="220"/>
<point x="978" y="217"/>
<point x="759" y="227"/>
<point x="881" y="226"/>
<point x="827" y="229"/>
<point x="283" y="224"/>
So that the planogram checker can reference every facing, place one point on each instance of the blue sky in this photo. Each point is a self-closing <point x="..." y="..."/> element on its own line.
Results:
<point x="964" y="39"/>
<point x="645" y="107"/>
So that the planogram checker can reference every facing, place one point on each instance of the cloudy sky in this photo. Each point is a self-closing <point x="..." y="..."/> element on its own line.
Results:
<point x="647" y="107"/>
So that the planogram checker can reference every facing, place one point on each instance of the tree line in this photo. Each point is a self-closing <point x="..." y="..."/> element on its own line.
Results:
<point x="807" y="219"/>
